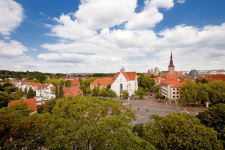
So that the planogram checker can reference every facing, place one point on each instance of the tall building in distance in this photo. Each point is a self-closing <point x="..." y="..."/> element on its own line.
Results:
<point x="171" y="67"/>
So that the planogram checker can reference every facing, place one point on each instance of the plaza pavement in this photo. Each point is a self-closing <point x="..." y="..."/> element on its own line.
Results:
<point x="144" y="108"/>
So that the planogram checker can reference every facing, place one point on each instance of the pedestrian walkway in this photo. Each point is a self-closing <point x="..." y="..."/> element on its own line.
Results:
<point x="144" y="108"/>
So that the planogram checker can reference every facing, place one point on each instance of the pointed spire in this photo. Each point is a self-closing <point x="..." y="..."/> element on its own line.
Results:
<point x="171" y="60"/>
<point x="171" y="55"/>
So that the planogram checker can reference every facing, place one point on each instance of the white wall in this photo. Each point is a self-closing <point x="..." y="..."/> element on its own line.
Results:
<point x="127" y="85"/>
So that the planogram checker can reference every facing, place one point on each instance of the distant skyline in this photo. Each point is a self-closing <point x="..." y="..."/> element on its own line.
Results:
<point x="90" y="36"/>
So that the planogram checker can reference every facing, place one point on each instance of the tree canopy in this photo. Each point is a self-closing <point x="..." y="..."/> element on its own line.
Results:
<point x="179" y="131"/>
<point x="78" y="123"/>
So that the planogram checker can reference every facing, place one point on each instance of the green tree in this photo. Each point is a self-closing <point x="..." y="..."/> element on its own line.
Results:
<point x="145" y="82"/>
<point x="125" y="94"/>
<point x="152" y="76"/>
<point x="30" y="93"/>
<point x="156" y="88"/>
<point x="10" y="89"/>
<point x="88" y="90"/>
<point x="95" y="91"/>
<point x="214" y="118"/>
<point x="158" y="96"/>
<point x="103" y="92"/>
<point x="7" y="84"/>
<point x="189" y="91"/>
<point x="61" y="93"/>
<point x="108" y="87"/>
<point x="140" y="92"/>
<point x="139" y="129"/>
<point x="99" y="125"/>
<point x="4" y="99"/>
<point x="68" y="83"/>
<point x="111" y="93"/>
<point x="41" y="78"/>
<point x="179" y="131"/>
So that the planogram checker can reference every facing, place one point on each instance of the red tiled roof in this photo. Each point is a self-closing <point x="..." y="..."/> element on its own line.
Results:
<point x="71" y="91"/>
<point x="174" y="84"/>
<point x="173" y="75"/>
<point x="128" y="75"/>
<point x="218" y="77"/>
<point x="42" y="86"/>
<point x="52" y="88"/>
<point x="33" y="83"/>
<point x="75" y="81"/>
<point x="157" y="79"/>
<point x="103" y="81"/>
<point x="30" y="102"/>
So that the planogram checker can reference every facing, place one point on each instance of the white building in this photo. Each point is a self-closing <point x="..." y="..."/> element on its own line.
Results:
<point x="125" y="81"/>
<point x="46" y="91"/>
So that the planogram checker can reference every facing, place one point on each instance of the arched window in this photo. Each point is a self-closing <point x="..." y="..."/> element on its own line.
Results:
<point x="121" y="88"/>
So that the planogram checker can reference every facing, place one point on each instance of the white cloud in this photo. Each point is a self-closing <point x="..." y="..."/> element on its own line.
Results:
<point x="41" y="13"/>
<point x="70" y="29"/>
<point x="12" y="49"/>
<point x="160" y="3"/>
<point x="11" y="15"/>
<point x="33" y="49"/>
<point x="98" y="14"/>
<point x="180" y="1"/>
<point x="149" y="17"/>
<point x="192" y="48"/>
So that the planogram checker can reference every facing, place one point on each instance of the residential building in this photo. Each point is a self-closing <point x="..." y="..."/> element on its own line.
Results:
<point x="75" y="82"/>
<point x="158" y="80"/>
<point x="72" y="91"/>
<point x="125" y="81"/>
<point x="103" y="82"/>
<point x="30" y="102"/>
<point x="170" y="89"/>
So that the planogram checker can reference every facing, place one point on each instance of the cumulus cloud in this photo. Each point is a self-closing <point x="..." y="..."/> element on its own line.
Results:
<point x="180" y="1"/>
<point x="70" y="29"/>
<point x="11" y="15"/>
<point x="12" y="49"/>
<point x="160" y="3"/>
<point x="149" y="17"/>
<point x="190" y="45"/>
<point x="98" y="14"/>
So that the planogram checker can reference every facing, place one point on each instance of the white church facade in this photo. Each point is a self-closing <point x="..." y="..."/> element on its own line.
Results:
<point x="125" y="81"/>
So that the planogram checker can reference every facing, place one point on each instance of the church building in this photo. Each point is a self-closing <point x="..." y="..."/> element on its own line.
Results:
<point x="171" y="68"/>
<point x="125" y="81"/>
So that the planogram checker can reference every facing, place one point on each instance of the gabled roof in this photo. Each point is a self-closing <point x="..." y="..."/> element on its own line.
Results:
<point x="75" y="81"/>
<point x="103" y="81"/>
<point x="157" y="79"/>
<point x="173" y="84"/>
<point x="32" y="103"/>
<point x="128" y="75"/>
<point x="72" y="91"/>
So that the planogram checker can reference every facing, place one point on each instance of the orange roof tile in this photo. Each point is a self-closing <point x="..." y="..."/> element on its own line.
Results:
<point x="157" y="79"/>
<point x="75" y="81"/>
<point x="128" y="75"/>
<point x="174" y="84"/>
<point x="103" y="81"/>
<point x="72" y="91"/>
<point x="32" y="103"/>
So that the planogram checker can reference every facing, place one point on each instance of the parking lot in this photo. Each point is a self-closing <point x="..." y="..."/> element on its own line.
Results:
<point x="144" y="108"/>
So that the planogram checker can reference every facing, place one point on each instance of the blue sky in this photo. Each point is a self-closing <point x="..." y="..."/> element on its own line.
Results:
<point x="104" y="35"/>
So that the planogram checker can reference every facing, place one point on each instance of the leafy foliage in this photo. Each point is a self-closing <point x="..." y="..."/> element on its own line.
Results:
<point x="68" y="83"/>
<point x="31" y="93"/>
<point x="179" y="131"/>
<point x="214" y="118"/>
<point x="125" y="94"/>
<point x="145" y="82"/>
<point x="80" y="123"/>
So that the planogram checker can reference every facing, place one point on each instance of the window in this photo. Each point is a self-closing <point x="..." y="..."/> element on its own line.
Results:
<point x="173" y="92"/>
<point x="177" y="92"/>
<point x="173" y="89"/>
<point x="177" y="96"/>
<point x="173" y="96"/>
<point x="177" y="89"/>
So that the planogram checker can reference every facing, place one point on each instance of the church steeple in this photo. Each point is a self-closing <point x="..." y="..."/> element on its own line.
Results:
<point x="171" y="60"/>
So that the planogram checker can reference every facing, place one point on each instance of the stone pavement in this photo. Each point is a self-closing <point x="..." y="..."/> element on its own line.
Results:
<point x="144" y="108"/>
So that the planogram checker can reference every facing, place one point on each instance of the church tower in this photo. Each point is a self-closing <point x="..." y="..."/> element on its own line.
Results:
<point x="171" y="67"/>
